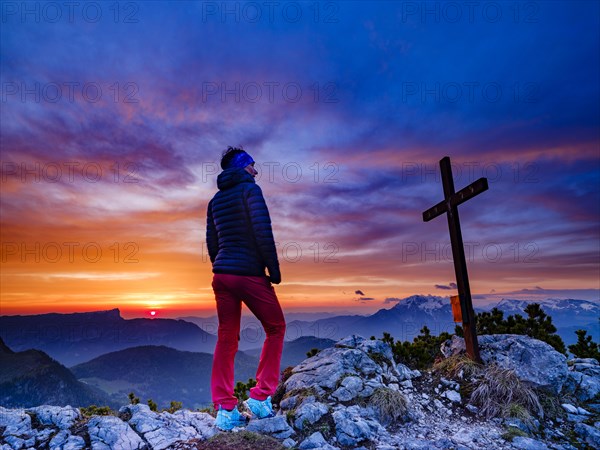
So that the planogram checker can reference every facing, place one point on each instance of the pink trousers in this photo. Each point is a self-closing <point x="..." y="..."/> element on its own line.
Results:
<point x="259" y="296"/>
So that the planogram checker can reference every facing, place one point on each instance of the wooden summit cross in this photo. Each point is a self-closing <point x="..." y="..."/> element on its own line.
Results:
<point x="450" y="206"/>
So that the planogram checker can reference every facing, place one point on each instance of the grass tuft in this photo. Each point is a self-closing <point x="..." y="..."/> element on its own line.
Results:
<point x="517" y="411"/>
<point x="390" y="405"/>
<point x="499" y="389"/>
<point x="243" y="440"/>
<point x="458" y="366"/>
<point x="551" y="403"/>
<point x="513" y="432"/>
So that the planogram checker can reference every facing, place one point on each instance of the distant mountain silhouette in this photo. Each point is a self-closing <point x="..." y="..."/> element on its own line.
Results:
<point x="4" y="348"/>
<point x="405" y="319"/>
<point x="294" y="352"/>
<point x="251" y="332"/>
<point x="160" y="373"/>
<point x="79" y="337"/>
<point x="32" y="378"/>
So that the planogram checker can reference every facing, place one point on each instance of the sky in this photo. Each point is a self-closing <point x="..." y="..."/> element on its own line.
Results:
<point x="114" y="116"/>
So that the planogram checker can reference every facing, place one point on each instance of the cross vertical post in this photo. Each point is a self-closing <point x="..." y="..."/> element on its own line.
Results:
<point x="450" y="206"/>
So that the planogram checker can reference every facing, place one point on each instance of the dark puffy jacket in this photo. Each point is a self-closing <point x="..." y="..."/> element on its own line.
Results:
<point x="238" y="228"/>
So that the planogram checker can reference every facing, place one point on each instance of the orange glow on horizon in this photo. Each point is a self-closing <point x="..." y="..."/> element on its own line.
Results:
<point x="79" y="258"/>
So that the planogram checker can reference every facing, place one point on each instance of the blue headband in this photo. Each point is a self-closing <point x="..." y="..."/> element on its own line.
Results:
<point x="240" y="160"/>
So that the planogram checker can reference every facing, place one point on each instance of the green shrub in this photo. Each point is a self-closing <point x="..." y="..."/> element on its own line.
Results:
<point x="210" y="409"/>
<point x="175" y="406"/>
<point x="585" y="347"/>
<point x="312" y="352"/>
<point x="421" y="353"/>
<point x="133" y="399"/>
<point x="153" y="406"/>
<point x="94" y="410"/>
<point x="241" y="389"/>
<point x="537" y="325"/>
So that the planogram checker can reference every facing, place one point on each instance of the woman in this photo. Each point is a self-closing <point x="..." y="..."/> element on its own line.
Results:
<point x="241" y="245"/>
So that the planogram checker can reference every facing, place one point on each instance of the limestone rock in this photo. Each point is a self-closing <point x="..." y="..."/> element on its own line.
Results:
<point x="453" y="346"/>
<point x="583" y="378"/>
<point x="350" y="388"/>
<point x="353" y="426"/>
<point x="590" y="435"/>
<point x="65" y="441"/>
<point x="370" y="361"/>
<point x="525" y="443"/>
<point x="162" y="430"/>
<point x="323" y="370"/>
<point x="316" y="441"/>
<point x="15" y="422"/>
<point x="452" y="396"/>
<point x="533" y="361"/>
<point x="309" y="412"/>
<point x="18" y="432"/>
<point x="569" y="408"/>
<point x="275" y="426"/>
<point x="111" y="433"/>
<point x="289" y="443"/>
<point x="61" y="417"/>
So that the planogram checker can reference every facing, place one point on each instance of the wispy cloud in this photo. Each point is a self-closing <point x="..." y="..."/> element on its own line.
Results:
<point x="91" y="276"/>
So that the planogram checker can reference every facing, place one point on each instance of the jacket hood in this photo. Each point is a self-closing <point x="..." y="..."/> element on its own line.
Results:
<point x="232" y="177"/>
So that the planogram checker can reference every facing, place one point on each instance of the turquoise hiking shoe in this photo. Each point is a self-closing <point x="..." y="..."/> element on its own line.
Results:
<point x="228" y="420"/>
<point x="260" y="409"/>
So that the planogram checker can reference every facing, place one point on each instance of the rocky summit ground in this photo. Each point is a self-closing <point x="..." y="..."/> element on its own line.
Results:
<point x="353" y="396"/>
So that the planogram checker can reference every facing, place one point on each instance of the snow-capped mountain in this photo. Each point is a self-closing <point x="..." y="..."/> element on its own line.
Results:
<point x="568" y="315"/>
<point x="405" y="319"/>
<point x="564" y="312"/>
<point x="426" y="303"/>
<point x="508" y="306"/>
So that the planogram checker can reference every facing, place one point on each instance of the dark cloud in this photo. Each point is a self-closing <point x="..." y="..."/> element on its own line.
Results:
<point x="446" y="286"/>
<point x="358" y="292"/>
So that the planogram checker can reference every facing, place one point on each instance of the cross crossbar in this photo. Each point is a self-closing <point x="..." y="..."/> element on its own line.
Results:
<point x="477" y="187"/>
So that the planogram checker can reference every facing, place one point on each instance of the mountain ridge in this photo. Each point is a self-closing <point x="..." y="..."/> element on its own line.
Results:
<point x="31" y="378"/>
<point x="405" y="319"/>
<point x="78" y="337"/>
<point x="158" y="372"/>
